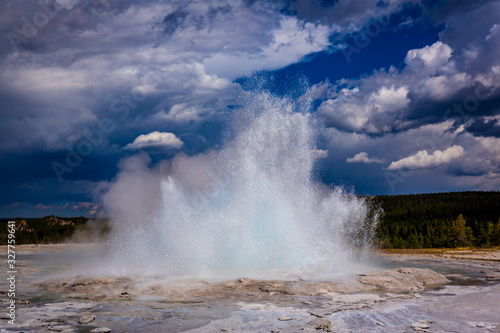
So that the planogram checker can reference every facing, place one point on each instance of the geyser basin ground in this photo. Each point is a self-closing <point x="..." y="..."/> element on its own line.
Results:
<point x="387" y="300"/>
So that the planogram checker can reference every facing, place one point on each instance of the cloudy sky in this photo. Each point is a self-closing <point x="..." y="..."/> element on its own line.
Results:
<point x="407" y="93"/>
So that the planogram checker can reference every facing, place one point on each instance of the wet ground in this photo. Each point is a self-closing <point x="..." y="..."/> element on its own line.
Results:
<point x="436" y="292"/>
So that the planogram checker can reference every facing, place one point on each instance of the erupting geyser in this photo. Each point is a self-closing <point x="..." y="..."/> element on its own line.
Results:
<point x="249" y="208"/>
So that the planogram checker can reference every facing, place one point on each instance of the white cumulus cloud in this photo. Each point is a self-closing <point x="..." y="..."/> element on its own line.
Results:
<point x="292" y="41"/>
<point x="363" y="158"/>
<point x="422" y="159"/>
<point x="155" y="139"/>
<point x="353" y="110"/>
<point x="430" y="58"/>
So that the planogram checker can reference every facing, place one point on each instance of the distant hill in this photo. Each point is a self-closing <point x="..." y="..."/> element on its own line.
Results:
<point x="430" y="220"/>
<point x="54" y="229"/>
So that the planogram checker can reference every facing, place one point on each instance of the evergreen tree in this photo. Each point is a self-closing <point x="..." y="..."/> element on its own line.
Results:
<point x="461" y="234"/>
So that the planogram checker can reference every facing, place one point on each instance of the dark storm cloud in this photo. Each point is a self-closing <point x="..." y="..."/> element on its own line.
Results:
<point x="442" y="10"/>
<point x="21" y="172"/>
<point x="183" y="16"/>
<point x="340" y="12"/>
<point x="173" y="21"/>
<point x="484" y="127"/>
<point x="41" y="26"/>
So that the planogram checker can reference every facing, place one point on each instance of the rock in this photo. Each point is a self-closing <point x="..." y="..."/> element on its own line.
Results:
<point x="60" y="328"/>
<point x="124" y="295"/>
<point x="320" y="313"/>
<point x="86" y="319"/>
<point x="307" y="303"/>
<point x="421" y="327"/>
<point x="55" y="320"/>
<point x="380" y="324"/>
<point x="492" y="275"/>
<point x="321" y="324"/>
<point x="404" y="278"/>
<point x="284" y="318"/>
<point x="38" y="323"/>
<point x="480" y="325"/>
<point x="101" y="330"/>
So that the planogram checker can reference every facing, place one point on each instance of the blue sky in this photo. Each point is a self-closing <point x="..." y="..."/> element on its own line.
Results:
<point x="406" y="93"/>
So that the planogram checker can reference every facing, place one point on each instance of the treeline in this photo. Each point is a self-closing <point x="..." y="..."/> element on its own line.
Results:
<point x="53" y="229"/>
<point x="439" y="220"/>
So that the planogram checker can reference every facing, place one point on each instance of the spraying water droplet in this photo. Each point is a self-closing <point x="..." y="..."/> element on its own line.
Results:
<point x="252" y="207"/>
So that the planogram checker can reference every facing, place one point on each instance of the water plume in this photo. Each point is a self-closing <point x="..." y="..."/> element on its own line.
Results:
<point x="252" y="207"/>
